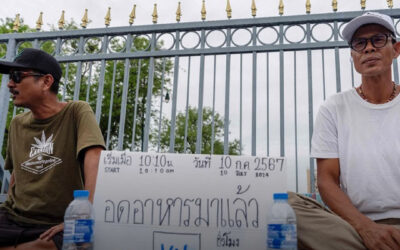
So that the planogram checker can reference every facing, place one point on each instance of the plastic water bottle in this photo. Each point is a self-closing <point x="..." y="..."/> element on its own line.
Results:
<point x="79" y="223"/>
<point x="281" y="224"/>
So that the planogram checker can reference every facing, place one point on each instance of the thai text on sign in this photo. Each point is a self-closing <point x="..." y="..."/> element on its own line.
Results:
<point x="158" y="201"/>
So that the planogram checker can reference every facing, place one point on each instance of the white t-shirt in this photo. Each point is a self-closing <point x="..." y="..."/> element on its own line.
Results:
<point x="366" y="139"/>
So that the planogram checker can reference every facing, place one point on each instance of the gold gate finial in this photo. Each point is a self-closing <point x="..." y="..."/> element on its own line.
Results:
<point x="85" y="19"/>
<point x="39" y="22"/>
<point x="155" y="15"/>
<point x="363" y="3"/>
<point x="203" y="11"/>
<point x="334" y="5"/>
<point x="308" y="7"/>
<point x="132" y="16"/>
<point x="390" y="4"/>
<point x="17" y="23"/>
<point x="61" y="21"/>
<point x="281" y="7"/>
<point x="253" y="8"/>
<point x="178" y="12"/>
<point x="107" y="18"/>
<point x="228" y="9"/>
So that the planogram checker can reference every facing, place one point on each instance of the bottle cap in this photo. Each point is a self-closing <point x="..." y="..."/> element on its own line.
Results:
<point x="81" y="193"/>
<point x="280" y="196"/>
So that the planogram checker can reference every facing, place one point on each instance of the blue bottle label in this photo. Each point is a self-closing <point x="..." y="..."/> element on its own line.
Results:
<point x="78" y="231"/>
<point x="282" y="236"/>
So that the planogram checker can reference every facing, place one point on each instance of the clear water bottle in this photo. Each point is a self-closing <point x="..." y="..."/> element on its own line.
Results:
<point x="79" y="223"/>
<point x="281" y="224"/>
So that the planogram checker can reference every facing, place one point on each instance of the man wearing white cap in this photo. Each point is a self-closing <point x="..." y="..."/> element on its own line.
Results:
<point x="357" y="148"/>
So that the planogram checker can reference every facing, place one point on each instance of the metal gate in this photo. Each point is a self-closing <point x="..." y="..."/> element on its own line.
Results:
<point x="245" y="86"/>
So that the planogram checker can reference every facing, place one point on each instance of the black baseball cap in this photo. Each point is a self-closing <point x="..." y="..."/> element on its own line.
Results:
<point x="34" y="59"/>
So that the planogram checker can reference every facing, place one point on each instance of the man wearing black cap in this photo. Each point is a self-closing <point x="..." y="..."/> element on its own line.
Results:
<point x="52" y="150"/>
<point x="357" y="147"/>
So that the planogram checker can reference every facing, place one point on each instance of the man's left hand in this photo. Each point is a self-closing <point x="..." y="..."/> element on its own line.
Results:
<point x="48" y="235"/>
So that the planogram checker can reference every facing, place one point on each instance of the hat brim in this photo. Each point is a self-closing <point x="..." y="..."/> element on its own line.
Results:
<point x="6" y="67"/>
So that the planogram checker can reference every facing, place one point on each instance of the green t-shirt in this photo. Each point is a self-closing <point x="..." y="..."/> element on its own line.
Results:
<point x="47" y="161"/>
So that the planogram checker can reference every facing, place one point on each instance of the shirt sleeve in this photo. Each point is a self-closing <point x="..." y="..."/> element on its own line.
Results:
<point x="88" y="131"/>
<point x="324" y="143"/>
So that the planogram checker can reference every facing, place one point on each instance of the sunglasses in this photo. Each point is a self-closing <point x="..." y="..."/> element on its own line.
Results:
<point x="377" y="41"/>
<point x="17" y="76"/>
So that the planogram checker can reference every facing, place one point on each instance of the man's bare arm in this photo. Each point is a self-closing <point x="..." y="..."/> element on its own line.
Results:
<point x="375" y="236"/>
<point x="12" y="182"/>
<point x="91" y="166"/>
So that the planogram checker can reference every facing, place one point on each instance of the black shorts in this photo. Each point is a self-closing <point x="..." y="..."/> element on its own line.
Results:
<point x="14" y="233"/>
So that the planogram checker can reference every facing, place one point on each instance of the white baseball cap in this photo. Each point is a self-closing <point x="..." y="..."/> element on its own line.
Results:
<point x="367" y="18"/>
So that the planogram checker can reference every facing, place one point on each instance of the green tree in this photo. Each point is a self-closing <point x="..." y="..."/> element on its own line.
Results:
<point x="89" y="92"/>
<point x="6" y="26"/>
<point x="191" y="137"/>
<point x="117" y="44"/>
<point x="140" y="44"/>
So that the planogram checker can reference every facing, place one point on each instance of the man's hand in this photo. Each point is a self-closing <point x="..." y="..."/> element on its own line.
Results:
<point x="375" y="236"/>
<point x="378" y="236"/>
<point x="51" y="232"/>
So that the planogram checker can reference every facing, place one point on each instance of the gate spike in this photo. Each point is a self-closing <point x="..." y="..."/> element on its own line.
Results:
<point x="85" y="19"/>
<point x="107" y="18"/>
<point x="363" y="3"/>
<point x="334" y="5"/>
<point x="308" y="7"/>
<point x="61" y="21"/>
<point x="39" y="22"/>
<point x="390" y="4"/>
<point x="16" y="24"/>
<point x="203" y="11"/>
<point x="253" y="8"/>
<point x="132" y="16"/>
<point x="178" y="12"/>
<point x="155" y="15"/>
<point x="228" y="9"/>
<point x="281" y="7"/>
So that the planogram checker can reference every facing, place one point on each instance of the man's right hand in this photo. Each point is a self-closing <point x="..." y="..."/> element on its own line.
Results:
<point x="375" y="236"/>
<point x="48" y="235"/>
<point x="378" y="236"/>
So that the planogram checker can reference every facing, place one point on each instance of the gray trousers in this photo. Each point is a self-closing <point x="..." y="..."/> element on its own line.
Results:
<point x="321" y="229"/>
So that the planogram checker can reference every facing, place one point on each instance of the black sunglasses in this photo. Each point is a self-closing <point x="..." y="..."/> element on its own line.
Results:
<point x="17" y="76"/>
<point x="377" y="41"/>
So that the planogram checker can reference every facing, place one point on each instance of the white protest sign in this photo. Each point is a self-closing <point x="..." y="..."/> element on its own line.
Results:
<point x="149" y="201"/>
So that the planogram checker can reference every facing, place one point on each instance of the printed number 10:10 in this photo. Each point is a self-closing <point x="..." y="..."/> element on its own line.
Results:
<point x="158" y="160"/>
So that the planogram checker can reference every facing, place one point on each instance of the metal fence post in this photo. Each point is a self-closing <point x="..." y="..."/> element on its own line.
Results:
<point x="4" y="103"/>
<point x="4" y="93"/>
